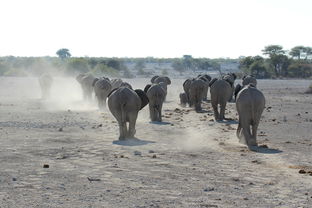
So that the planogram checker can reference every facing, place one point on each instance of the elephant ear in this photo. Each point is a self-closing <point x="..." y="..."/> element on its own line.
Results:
<point x="212" y="81"/>
<point x="111" y="92"/>
<point x="186" y="81"/>
<point x="143" y="96"/>
<point x="94" y="81"/>
<point x="147" y="87"/>
<point x="153" y="78"/>
<point x="168" y="81"/>
<point x="237" y="89"/>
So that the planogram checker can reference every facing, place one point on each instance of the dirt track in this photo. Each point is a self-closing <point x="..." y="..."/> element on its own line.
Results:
<point x="189" y="160"/>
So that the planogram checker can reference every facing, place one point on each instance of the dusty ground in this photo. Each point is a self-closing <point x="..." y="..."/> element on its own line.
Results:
<point x="189" y="160"/>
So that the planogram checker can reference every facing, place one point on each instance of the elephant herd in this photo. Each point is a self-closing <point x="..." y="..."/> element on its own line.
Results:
<point x="250" y="101"/>
<point x="124" y="102"/>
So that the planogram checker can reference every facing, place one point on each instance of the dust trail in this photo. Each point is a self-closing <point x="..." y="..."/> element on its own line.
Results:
<point x="66" y="94"/>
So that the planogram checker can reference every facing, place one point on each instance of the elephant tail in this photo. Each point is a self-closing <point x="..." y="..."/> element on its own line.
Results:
<point x="123" y="113"/>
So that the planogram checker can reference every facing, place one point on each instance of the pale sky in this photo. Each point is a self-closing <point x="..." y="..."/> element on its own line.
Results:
<point x="158" y="28"/>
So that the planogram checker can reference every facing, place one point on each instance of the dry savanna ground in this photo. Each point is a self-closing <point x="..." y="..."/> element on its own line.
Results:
<point x="63" y="152"/>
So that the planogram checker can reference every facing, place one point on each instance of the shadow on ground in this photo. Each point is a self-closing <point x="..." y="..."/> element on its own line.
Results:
<point x="132" y="142"/>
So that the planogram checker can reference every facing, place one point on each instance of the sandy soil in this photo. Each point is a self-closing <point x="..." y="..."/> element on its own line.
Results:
<point x="189" y="160"/>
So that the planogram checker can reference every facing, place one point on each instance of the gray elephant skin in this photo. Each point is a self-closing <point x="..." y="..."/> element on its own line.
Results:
<point x="220" y="91"/>
<point x="156" y="95"/>
<point x="87" y="82"/>
<point x="250" y="104"/>
<point x="206" y="78"/>
<point x="197" y="87"/>
<point x="45" y="81"/>
<point x="124" y="104"/>
<point x="102" y="88"/>
<point x="248" y="79"/>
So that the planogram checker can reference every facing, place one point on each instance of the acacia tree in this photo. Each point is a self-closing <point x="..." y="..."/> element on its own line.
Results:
<point x="296" y="51"/>
<point x="63" y="53"/>
<point x="277" y="57"/>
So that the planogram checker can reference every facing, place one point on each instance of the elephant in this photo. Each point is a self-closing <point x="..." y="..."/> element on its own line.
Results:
<point x="126" y="84"/>
<point x="156" y="96"/>
<point x="116" y="83"/>
<point x="102" y="87"/>
<point x="247" y="79"/>
<point x="250" y="104"/>
<point x="196" y="90"/>
<point x="125" y="103"/>
<point x="186" y="88"/>
<point x="162" y="79"/>
<point x="153" y="78"/>
<point x="206" y="78"/>
<point x="183" y="99"/>
<point x="45" y="81"/>
<point x="230" y="78"/>
<point x="220" y="91"/>
<point x="87" y="82"/>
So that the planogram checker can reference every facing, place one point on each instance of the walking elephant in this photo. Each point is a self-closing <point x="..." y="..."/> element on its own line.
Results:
<point x="156" y="95"/>
<point x="250" y="104"/>
<point x="249" y="79"/>
<point x="197" y="87"/>
<point x="125" y="103"/>
<point x="87" y="82"/>
<point x="45" y="81"/>
<point x="164" y="79"/>
<point x="102" y="87"/>
<point x="206" y="78"/>
<point x="220" y="91"/>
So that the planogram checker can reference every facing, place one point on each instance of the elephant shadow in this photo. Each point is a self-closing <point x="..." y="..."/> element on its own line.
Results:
<point x="132" y="142"/>
<point x="228" y="121"/>
<point x="160" y="122"/>
<point x="265" y="150"/>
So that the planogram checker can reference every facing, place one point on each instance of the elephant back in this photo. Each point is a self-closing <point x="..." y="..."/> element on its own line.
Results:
<point x="116" y="83"/>
<point x="163" y="79"/>
<point x="212" y="81"/>
<point x="126" y="84"/>
<point x="249" y="79"/>
<point x="103" y="84"/>
<point x="153" y="78"/>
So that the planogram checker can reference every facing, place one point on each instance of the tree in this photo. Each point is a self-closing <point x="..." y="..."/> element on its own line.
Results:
<point x="273" y="50"/>
<point x="296" y="51"/>
<point x="63" y="53"/>
<point x="277" y="57"/>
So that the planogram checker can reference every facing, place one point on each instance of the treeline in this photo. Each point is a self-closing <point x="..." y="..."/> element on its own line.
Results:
<point x="296" y="63"/>
<point x="114" y="67"/>
<point x="276" y="63"/>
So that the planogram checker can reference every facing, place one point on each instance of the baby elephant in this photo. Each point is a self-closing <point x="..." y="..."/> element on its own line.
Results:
<point x="183" y="99"/>
<point x="156" y="95"/>
<point x="125" y="103"/>
<point x="250" y="104"/>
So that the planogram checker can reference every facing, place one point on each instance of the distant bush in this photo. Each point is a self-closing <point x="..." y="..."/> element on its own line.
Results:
<point x="15" y="72"/>
<point x="103" y="70"/>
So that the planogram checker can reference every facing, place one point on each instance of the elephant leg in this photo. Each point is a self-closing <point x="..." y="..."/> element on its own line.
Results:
<point x="205" y="92"/>
<point x="246" y="132"/>
<point x="152" y="112"/>
<point x="122" y="130"/>
<point x="198" y="106"/>
<point x="239" y="130"/>
<point x="215" y="110"/>
<point x="222" y="111"/>
<point x="132" y="120"/>
<point x="159" y="112"/>
<point x="253" y="140"/>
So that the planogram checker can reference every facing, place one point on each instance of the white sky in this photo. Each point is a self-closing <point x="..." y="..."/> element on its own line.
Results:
<point x="159" y="28"/>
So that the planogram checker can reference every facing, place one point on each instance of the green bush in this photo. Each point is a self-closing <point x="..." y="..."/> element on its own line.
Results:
<point x="104" y="70"/>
